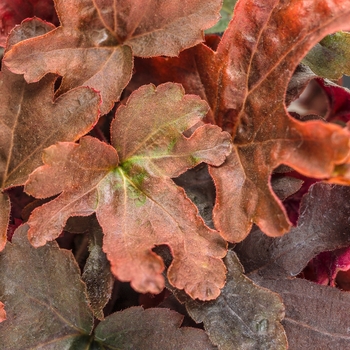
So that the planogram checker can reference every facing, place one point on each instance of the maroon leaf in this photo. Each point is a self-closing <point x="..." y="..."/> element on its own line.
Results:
<point x="156" y="329"/>
<point x="41" y="311"/>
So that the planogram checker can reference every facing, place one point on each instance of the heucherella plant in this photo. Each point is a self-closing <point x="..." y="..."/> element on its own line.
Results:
<point x="159" y="188"/>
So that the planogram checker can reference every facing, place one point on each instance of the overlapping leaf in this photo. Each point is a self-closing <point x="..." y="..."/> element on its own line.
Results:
<point x="31" y="120"/>
<point x="312" y="311"/>
<point x="244" y="316"/>
<point x="129" y="188"/>
<point x="331" y="56"/>
<point x="322" y="225"/>
<point x="53" y="313"/>
<point x="13" y="12"/>
<point x="96" y="41"/>
<point x="245" y="82"/>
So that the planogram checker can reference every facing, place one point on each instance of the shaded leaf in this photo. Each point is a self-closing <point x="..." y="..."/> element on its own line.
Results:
<point x="330" y="58"/>
<point x="316" y="316"/>
<point x="42" y="312"/>
<point x="13" y="12"/>
<point x="244" y="316"/>
<point x="324" y="268"/>
<point x="323" y="225"/>
<point x="97" y="274"/>
<point x="2" y="312"/>
<point x="96" y="41"/>
<point x="338" y="99"/>
<point x="137" y="204"/>
<point x="155" y="329"/>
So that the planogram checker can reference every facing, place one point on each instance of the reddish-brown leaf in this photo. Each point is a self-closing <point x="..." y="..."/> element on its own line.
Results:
<point x="129" y="188"/>
<point x="2" y="312"/>
<point x="245" y="82"/>
<point x="31" y="120"/>
<point x="96" y="41"/>
<point x="13" y="12"/>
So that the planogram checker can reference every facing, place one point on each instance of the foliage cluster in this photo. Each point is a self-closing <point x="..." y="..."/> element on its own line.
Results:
<point x="162" y="188"/>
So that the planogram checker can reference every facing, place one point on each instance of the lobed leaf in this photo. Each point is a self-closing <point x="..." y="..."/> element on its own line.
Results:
<point x="31" y="120"/>
<point x="245" y="82"/>
<point x="129" y="188"/>
<point x="95" y="43"/>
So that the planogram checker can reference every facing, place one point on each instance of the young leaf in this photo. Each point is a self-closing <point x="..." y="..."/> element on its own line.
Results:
<point x="44" y="296"/>
<point x="323" y="225"/>
<point x="156" y="329"/>
<point x="96" y="41"/>
<point x="31" y="121"/>
<point x="137" y="204"/>
<point x="244" y="316"/>
<point x="13" y="12"/>
<point x="330" y="58"/>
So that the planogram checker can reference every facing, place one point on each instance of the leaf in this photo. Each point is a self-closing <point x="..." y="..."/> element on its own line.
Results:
<point x="323" y="225"/>
<point x="245" y="82"/>
<point x="244" y="316"/>
<point x="97" y="274"/>
<point x="45" y="298"/>
<point x="331" y="56"/>
<point x="31" y="120"/>
<point x="95" y="43"/>
<point x="137" y="204"/>
<point x="13" y="12"/>
<point x="316" y="316"/>
<point x="2" y="312"/>
<point x="155" y="329"/>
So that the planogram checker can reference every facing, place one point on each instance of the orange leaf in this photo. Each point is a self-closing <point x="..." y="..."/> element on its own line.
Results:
<point x="245" y="82"/>
<point x="96" y="41"/>
<point x="137" y="204"/>
<point x="31" y="120"/>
